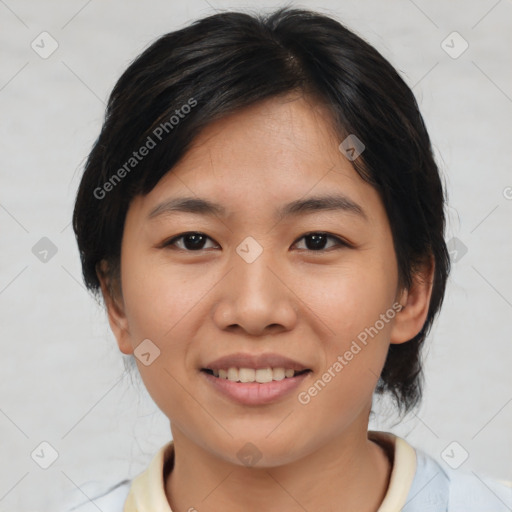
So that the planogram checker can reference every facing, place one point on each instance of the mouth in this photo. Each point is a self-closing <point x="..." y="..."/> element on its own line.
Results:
<point x="260" y="375"/>
<point x="244" y="387"/>
<point x="254" y="379"/>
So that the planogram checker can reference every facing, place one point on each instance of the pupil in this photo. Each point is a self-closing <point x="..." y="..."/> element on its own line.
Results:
<point x="197" y="241"/>
<point x="318" y="241"/>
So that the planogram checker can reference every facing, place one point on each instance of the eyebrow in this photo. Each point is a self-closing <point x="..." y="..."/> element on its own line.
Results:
<point x="298" y="207"/>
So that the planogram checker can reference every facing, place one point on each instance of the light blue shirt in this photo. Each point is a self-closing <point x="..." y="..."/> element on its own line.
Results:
<point x="433" y="489"/>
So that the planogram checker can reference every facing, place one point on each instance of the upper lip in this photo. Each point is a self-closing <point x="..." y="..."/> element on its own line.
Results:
<point x="241" y="360"/>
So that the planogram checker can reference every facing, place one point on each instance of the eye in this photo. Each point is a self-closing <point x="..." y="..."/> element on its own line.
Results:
<point x="316" y="241"/>
<point x="191" y="241"/>
<point x="196" y="241"/>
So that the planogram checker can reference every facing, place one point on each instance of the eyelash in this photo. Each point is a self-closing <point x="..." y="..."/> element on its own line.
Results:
<point x="339" y="241"/>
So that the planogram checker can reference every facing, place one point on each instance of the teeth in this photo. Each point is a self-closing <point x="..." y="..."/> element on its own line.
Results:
<point x="246" y="374"/>
<point x="261" y="375"/>
<point x="278" y="374"/>
<point x="264" y="375"/>
<point x="233" y="374"/>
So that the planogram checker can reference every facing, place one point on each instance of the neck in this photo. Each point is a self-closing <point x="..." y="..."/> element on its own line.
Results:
<point x="348" y="473"/>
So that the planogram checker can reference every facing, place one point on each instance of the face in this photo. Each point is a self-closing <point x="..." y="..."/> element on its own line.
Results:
<point x="277" y="278"/>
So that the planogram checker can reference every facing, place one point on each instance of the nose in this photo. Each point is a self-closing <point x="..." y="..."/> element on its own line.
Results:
<point x="255" y="297"/>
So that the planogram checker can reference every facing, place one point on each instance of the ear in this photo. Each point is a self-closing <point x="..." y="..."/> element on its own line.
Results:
<point x="113" y="299"/>
<point x="415" y="303"/>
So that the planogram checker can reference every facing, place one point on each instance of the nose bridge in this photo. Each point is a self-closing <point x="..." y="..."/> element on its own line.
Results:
<point x="252" y="273"/>
<point x="253" y="297"/>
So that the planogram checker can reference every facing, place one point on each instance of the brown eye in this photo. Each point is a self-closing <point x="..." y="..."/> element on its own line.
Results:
<point x="192" y="241"/>
<point x="317" y="241"/>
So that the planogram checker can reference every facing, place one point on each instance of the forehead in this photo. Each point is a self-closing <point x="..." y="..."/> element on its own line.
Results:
<point x="272" y="153"/>
<point x="290" y="133"/>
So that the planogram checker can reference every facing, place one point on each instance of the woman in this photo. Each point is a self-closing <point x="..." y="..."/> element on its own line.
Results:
<point x="264" y="218"/>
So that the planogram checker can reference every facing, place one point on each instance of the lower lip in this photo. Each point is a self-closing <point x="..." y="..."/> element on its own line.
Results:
<point x="254" y="393"/>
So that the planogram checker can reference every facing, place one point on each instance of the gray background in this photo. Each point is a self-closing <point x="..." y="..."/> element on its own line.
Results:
<point x="62" y="376"/>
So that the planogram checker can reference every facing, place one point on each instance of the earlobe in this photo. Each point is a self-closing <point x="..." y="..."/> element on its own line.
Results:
<point x="415" y="303"/>
<point x="115" y="308"/>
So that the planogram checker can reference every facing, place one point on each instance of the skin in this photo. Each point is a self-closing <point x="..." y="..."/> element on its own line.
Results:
<point x="308" y="305"/>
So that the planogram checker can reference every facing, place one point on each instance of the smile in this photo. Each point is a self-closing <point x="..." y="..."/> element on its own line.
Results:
<point x="253" y="387"/>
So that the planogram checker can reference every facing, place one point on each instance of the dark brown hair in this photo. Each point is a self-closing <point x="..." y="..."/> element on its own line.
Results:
<point x="191" y="77"/>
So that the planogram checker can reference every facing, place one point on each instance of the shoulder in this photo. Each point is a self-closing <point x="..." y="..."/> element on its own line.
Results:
<point x="439" y="488"/>
<point x="147" y="486"/>
<point x="94" y="496"/>
<point x="480" y="491"/>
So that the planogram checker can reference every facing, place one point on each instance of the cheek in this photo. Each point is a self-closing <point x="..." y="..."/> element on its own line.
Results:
<point x="159" y="304"/>
<point x="354" y="352"/>
<point x="350" y="301"/>
<point x="158" y="297"/>
<point x="162" y="303"/>
<point x="349" y="298"/>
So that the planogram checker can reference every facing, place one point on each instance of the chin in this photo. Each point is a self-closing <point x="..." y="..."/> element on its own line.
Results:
<point x="258" y="450"/>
